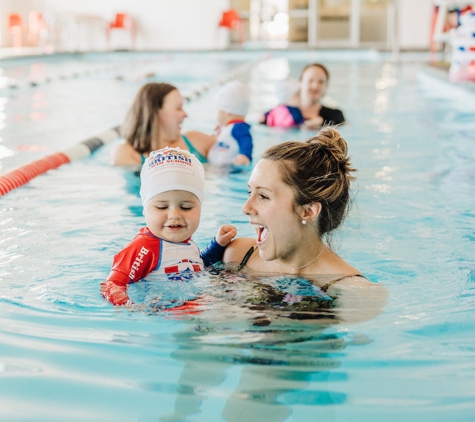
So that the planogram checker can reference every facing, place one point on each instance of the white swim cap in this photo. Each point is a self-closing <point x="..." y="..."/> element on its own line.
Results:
<point x="233" y="98"/>
<point x="171" y="169"/>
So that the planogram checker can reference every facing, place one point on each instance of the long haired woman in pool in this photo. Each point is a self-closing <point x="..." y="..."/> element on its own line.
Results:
<point x="304" y="107"/>
<point x="299" y="193"/>
<point x="154" y="122"/>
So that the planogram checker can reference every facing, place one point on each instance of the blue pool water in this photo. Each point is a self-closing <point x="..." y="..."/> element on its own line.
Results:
<point x="66" y="354"/>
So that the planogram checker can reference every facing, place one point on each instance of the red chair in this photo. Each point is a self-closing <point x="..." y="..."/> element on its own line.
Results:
<point x="232" y="21"/>
<point x="16" y="28"/>
<point x="123" y="21"/>
<point x="36" y="28"/>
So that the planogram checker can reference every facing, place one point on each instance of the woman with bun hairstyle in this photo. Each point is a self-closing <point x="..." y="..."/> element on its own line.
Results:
<point x="304" y="108"/>
<point x="154" y="122"/>
<point x="299" y="192"/>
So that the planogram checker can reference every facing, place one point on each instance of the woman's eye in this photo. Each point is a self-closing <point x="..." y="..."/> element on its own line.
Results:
<point x="248" y="192"/>
<point x="262" y="196"/>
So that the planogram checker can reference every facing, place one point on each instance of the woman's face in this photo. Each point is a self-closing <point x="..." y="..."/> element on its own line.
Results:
<point x="313" y="84"/>
<point x="171" y="116"/>
<point x="271" y="210"/>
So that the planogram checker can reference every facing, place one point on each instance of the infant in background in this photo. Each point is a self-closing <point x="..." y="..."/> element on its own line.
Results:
<point x="233" y="139"/>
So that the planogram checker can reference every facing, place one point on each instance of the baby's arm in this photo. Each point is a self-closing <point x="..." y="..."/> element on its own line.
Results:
<point x="226" y="233"/>
<point x="130" y="265"/>
<point x="215" y="250"/>
<point x="115" y="292"/>
<point x="242" y="134"/>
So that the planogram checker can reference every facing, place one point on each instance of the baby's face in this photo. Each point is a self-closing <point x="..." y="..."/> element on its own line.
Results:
<point x="223" y="118"/>
<point x="174" y="215"/>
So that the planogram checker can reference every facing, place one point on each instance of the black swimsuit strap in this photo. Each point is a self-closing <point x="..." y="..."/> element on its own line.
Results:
<point x="324" y="288"/>
<point x="246" y="257"/>
<point x="329" y="284"/>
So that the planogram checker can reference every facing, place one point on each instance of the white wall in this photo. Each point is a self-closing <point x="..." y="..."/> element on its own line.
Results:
<point x="175" y="24"/>
<point x="161" y="24"/>
<point x="414" y="17"/>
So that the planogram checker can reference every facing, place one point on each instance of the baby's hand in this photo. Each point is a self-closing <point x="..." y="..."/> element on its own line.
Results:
<point x="217" y="131"/>
<point x="241" y="160"/>
<point x="225" y="234"/>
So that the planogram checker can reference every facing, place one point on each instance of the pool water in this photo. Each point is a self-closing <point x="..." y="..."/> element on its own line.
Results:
<point x="66" y="354"/>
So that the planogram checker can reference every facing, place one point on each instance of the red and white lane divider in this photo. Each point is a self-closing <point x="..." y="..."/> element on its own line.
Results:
<point x="21" y="176"/>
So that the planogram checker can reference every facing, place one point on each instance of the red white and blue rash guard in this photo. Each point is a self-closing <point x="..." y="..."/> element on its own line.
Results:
<point x="147" y="255"/>
<point x="235" y="138"/>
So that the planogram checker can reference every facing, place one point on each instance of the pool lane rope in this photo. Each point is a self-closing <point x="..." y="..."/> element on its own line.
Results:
<point x="21" y="176"/>
<point x="87" y="70"/>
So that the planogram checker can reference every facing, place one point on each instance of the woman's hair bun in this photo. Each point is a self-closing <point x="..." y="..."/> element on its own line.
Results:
<point x="318" y="170"/>
<point x="330" y="140"/>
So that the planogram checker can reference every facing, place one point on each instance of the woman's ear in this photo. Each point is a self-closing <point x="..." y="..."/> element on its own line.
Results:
<point x="311" y="211"/>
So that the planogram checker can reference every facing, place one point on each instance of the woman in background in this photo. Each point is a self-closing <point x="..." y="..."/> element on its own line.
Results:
<point x="154" y="122"/>
<point x="304" y="108"/>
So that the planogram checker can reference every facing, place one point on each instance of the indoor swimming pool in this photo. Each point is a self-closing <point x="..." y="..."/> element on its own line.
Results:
<point x="68" y="355"/>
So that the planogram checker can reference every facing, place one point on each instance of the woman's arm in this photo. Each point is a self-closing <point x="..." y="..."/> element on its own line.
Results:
<point x="358" y="299"/>
<point x="126" y="155"/>
<point x="201" y="141"/>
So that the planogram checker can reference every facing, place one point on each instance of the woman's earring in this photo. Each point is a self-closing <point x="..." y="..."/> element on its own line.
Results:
<point x="304" y="222"/>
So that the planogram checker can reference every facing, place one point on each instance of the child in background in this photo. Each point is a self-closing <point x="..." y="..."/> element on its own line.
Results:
<point x="172" y="189"/>
<point x="233" y="140"/>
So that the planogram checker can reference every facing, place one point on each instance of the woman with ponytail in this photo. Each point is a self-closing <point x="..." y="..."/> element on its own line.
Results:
<point x="299" y="193"/>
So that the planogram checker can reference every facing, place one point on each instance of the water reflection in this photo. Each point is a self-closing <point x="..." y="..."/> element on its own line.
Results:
<point x="279" y="332"/>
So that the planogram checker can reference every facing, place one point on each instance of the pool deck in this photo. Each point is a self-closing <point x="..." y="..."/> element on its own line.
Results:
<point x="11" y="52"/>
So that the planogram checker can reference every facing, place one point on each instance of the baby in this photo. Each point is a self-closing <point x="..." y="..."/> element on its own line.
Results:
<point x="172" y="189"/>
<point x="233" y="140"/>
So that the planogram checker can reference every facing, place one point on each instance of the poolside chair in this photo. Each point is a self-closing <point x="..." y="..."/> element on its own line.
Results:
<point x="16" y="28"/>
<point x="231" y="20"/>
<point x="123" y="22"/>
<point x="37" y="29"/>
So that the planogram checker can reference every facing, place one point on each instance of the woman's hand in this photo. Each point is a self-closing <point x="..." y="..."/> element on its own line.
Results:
<point x="313" y="123"/>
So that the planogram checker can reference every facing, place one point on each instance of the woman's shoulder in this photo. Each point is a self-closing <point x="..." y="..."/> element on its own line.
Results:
<point x="126" y="155"/>
<point x="237" y="249"/>
<point x="196" y="137"/>
<point x="332" y="116"/>
<point x="200" y="141"/>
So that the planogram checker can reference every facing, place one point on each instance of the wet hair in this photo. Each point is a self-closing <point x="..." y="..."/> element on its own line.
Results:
<point x="317" y="170"/>
<point x="140" y="126"/>
<point x="325" y="70"/>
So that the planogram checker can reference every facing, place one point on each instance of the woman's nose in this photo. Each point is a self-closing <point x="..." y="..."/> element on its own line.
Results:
<point x="247" y="207"/>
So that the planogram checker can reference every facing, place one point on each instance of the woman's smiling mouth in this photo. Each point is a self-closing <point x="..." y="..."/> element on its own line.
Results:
<point x="262" y="233"/>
